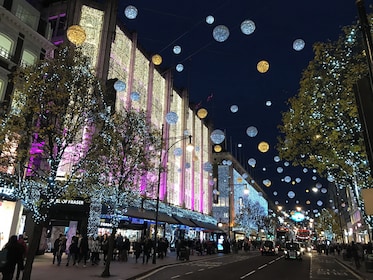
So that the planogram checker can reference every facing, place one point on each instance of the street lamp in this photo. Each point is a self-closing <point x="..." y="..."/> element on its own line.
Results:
<point x="162" y="156"/>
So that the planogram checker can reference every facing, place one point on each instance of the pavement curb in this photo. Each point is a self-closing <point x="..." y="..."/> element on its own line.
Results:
<point x="352" y="268"/>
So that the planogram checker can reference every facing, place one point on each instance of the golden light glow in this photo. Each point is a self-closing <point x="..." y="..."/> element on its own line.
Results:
<point x="262" y="66"/>
<point x="156" y="59"/>
<point x="239" y="180"/>
<point x="202" y="113"/>
<point x="217" y="148"/>
<point x="263" y="147"/>
<point x="76" y="34"/>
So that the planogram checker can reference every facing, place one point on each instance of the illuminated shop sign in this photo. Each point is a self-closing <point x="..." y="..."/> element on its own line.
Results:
<point x="71" y="202"/>
<point x="298" y="217"/>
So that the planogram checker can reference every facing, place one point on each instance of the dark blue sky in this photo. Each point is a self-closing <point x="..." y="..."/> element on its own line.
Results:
<point x="226" y="71"/>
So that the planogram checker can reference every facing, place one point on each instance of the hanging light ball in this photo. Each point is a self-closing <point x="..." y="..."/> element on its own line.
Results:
<point x="179" y="67"/>
<point x="220" y="33"/>
<point x="247" y="27"/>
<point x="210" y="19"/>
<point x="217" y="136"/>
<point x="217" y="148"/>
<point x="76" y="34"/>
<point x="275" y="193"/>
<point x="130" y="12"/>
<point x="298" y="180"/>
<point x="276" y="159"/>
<point x="280" y="169"/>
<point x="245" y="175"/>
<point x="267" y="183"/>
<point x="178" y="152"/>
<point x="120" y="85"/>
<point x="305" y="170"/>
<point x="234" y="108"/>
<point x="263" y="147"/>
<point x="135" y="96"/>
<point x="262" y="66"/>
<point x="324" y="190"/>
<point x="308" y="202"/>
<point x="319" y="203"/>
<point x="298" y="44"/>
<point x="176" y="49"/>
<point x="252" y="131"/>
<point x="252" y="162"/>
<point x="202" y="113"/>
<point x="207" y="166"/>
<point x="156" y="59"/>
<point x="318" y="185"/>
<point x="291" y="194"/>
<point x="287" y="179"/>
<point x="172" y="118"/>
<point x="187" y="165"/>
<point x="268" y="103"/>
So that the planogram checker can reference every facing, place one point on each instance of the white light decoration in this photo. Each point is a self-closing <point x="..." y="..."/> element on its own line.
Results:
<point x="239" y="145"/>
<point x="268" y="103"/>
<point x="130" y="12"/>
<point x="135" y="96"/>
<point x="318" y="185"/>
<point x="275" y="193"/>
<point x="298" y="44"/>
<point x="286" y="163"/>
<point x="319" y="203"/>
<point x="330" y="178"/>
<point x="314" y="178"/>
<point x="210" y="19"/>
<point x="287" y="179"/>
<point x="280" y="169"/>
<point x="179" y="67"/>
<point x="252" y="162"/>
<point x="276" y="202"/>
<point x="305" y="170"/>
<point x="234" y="108"/>
<point x="264" y="169"/>
<point x="247" y="27"/>
<point x="172" y="118"/>
<point x="245" y="175"/>
<point x="217" y="136"/>
<point x="207" y="166"/>
<point x="119" y="85"/>
<point x="267" y="182"/>
<point x="276" y="159"/>
<point x="176" y="49"/>
<point x="252" y="131"/>
<point x="178" y="152"/>
<point x="298" y="180"/>
<point x="291" y="194"/>
<point x="324" y="190"/>
<point x="220" y="33"/>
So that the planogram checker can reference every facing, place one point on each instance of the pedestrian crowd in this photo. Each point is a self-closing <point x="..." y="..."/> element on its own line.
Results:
<point x="14" y="253"/>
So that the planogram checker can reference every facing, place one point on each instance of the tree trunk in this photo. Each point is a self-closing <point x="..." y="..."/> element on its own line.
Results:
<point x="32" y="250"/>
<point x="106" y="272"/>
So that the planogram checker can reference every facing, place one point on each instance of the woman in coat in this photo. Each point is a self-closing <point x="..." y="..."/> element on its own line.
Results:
<point x="14" y="257"/>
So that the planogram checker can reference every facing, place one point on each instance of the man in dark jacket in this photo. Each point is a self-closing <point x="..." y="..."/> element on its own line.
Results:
<point x="14" y="257"/>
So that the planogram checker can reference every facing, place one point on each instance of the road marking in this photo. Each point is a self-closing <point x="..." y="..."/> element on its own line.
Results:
<point x="190" y="272"/>
<point x="176" y="276"/>
<point x="201" y="269"/>
<point x="248" y="274"/>
<point x="271" y="262"/>
<point x="263" y="266"/>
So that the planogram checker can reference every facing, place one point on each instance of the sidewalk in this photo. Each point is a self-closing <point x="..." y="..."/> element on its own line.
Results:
<point x="362" y="271"/>
<point x="43" y="269"/>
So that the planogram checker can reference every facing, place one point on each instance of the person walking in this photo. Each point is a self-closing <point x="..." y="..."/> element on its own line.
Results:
<point x="95" y="248"/>
<point x="355" y="254"/>
<point x="138" y="249"/>
<point x="147" y="247"/>
<point x="56" y="245"/>
<point x="105" y="246"/>
<point x="14" y="257"/>
<point x="73" y="251"/>
<point x="83" y="250"/>
<point x="23" y="244"/>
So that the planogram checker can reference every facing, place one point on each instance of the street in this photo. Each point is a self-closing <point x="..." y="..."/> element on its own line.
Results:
<point x="237" y="267"/>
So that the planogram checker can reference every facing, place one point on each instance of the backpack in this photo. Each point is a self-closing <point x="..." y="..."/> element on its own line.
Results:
<point x="3" y="257"/>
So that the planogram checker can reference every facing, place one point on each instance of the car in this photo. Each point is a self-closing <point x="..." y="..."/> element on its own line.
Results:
<point x="305" y="247"/>
<point x="293" y="251"/>
<point x="268" y="247"/>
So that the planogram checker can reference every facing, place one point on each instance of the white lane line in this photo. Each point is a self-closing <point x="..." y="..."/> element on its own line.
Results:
<point x="271" y="262"/>
<point x="248" y="274"/>
<point x="190" y="272"/>
<point x="263" y="266"/>
<point x="201" y="269"/>
<point x="176" y="276"/>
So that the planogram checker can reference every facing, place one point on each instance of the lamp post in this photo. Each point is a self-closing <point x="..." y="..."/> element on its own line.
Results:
<point x="162" y="156"/>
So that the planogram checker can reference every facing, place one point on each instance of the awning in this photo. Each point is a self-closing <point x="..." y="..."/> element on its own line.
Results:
<point x="150" y="215"/>
<point x="207" y="226"/>
<point x="184" y="221"/>
<point x="163" y="217"/>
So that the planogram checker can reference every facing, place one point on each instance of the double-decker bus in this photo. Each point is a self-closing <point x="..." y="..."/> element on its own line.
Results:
<point x="303" y="235"/>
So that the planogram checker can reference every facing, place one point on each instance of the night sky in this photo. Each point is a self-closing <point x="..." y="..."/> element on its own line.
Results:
<point x="221" y="74"/>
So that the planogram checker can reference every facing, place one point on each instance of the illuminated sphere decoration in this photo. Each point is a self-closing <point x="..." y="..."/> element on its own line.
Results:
<point x="202" y="113"/>
<point x="245" y="175"/>
<point x="324" y="190"/>
<point x="179" y="67"/>
<point x="130" y="12"/>
<point x="220" y="33"/>
<point x="217" y="148"/>
<point x="187" y="165"/>
<point x="276" y="159"/>
<point x="120" y="85"/>
<point x="263" y="147"/>
<point x="298" y="180"/>
<point x="207" y="166"/>
<point x="319" y="203"/>
<point x="287" y="179"/>
<point x="76" y="34"/>
<point x="267" y="183"/>
<point x="172" y="118"/>
<point x="135" y="96"/>
<point x="176" y="49"/>
<point x="156" y="59"/>
<point x="291" y="194"/>
<point x="262" y="66"/>
<point x="217" y="136"/>
<point x="234" y="108"/>
<point x="247" y="27"/>
<point x="210" y="19"/>
<point x="252" y="162"/>
<point x="178" y="152"/>
<point x="252" y="131"/>
<point x="280" y="169"/>
<point x="298" y="44"/>
<point x="308" y="202"/>
<point x="275" y="193"/>
<point x="268" y="103"/>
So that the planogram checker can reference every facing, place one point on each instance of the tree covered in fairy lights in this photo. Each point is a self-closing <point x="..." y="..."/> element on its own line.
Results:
<point x="321" y="129"/>
<point x="125" y="164"/>
<point x="44" y="136"/>
<point x="252" y="217"/>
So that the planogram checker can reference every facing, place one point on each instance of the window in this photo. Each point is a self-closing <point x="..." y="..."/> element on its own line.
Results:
<point x="28" y="58"/>
<point x="2" y="90"/>
<point x="6" y="46"/>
